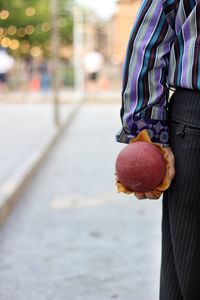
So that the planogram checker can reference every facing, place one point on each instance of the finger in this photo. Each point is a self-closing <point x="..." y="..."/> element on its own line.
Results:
<point x="151" y="196"/>
<point x="171" y="171"/>
<point x="171" y="164"/>
<point x="170" y="156"/>
<point x="171" y="175"/>
<point x="140" y="196"/>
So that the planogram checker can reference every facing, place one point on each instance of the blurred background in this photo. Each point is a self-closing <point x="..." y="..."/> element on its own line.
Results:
<point x="65" y="232"/>
<point x="33" y="33"/>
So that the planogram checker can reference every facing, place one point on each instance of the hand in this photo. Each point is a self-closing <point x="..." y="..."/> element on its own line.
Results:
<point x="170" y="175"/>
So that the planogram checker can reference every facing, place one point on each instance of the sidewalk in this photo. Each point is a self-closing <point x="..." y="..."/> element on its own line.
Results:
<point x="23" y="129"/>
<point x="71" y="237"/>
<point x="65" y="96"/>
<point x="27" y="134"/>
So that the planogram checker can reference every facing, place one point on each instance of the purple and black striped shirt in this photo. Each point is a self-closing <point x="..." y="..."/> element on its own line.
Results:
<point x="163" y="52"/>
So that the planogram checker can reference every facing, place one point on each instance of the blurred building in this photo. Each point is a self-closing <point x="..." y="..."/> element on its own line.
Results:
<point x="122" y="22"/>
<point x="96" y="34"/>
<point x="110" y="37"/>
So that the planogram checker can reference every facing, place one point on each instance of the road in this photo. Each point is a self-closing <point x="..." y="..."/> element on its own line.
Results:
<point x="23" y="128"/>
<point x="71" y="236"/>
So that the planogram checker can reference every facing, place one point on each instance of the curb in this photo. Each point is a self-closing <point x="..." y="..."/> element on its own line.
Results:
<point x="13" y="187"/>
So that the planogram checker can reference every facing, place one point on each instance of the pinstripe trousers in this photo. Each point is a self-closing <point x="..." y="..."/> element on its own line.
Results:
<point x="180" y="261"/>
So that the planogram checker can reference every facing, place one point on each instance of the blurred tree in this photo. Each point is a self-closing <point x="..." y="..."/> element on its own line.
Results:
<point x="25" y="26"/>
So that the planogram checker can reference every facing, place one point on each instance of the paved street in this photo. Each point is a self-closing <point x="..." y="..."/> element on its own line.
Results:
<point x="71" y="237"/>
<point x="24" y="128"/>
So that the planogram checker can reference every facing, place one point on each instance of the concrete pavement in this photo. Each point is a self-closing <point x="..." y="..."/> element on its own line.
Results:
<point x="27" y="134"/>
<point x="23" y="128"/>
<point x="65" y="96"/>
<point x="71" y="237"/>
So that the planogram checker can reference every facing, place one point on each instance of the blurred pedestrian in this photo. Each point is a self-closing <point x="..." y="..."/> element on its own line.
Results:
<point x="45" y="81"/>
<point x="164" y="53"/>
<point x="34" y="83"/>
<point x="93" y="63"/>
<point x="6" y="64"/>
<point x="28" y="67"/>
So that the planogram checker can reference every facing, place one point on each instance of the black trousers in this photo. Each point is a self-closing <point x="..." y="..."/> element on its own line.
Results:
<point x="180" y="263"/>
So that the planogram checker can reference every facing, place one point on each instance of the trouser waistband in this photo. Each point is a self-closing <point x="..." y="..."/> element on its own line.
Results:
<point x="185" y="106"/>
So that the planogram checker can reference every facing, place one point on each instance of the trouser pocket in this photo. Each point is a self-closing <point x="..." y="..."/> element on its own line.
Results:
<point x="183" y="128"/>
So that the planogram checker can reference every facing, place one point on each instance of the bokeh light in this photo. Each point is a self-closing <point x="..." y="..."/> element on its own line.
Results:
<point x="4" y="14"/>
<point x="21" y="32"/>
<point x="29" y="29"/>
<point x="25" y="47"/>
<point x="62" y="22"/>
<point x="12" y="30"/>
<point x="36" y="51"/>
<point x="46" y="27"/>
<point x="30" y="11"/>
<point x="14" y="44"/>
<point x="5" y="42"/>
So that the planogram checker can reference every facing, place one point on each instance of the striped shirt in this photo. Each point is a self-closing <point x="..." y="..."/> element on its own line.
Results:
<point x="163" y="52"/>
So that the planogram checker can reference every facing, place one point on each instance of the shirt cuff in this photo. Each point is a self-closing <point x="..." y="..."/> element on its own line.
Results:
<point x="158" y="131"/>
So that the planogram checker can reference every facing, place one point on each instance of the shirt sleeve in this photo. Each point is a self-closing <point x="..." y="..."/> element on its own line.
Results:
<point x="145" y="91"/>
